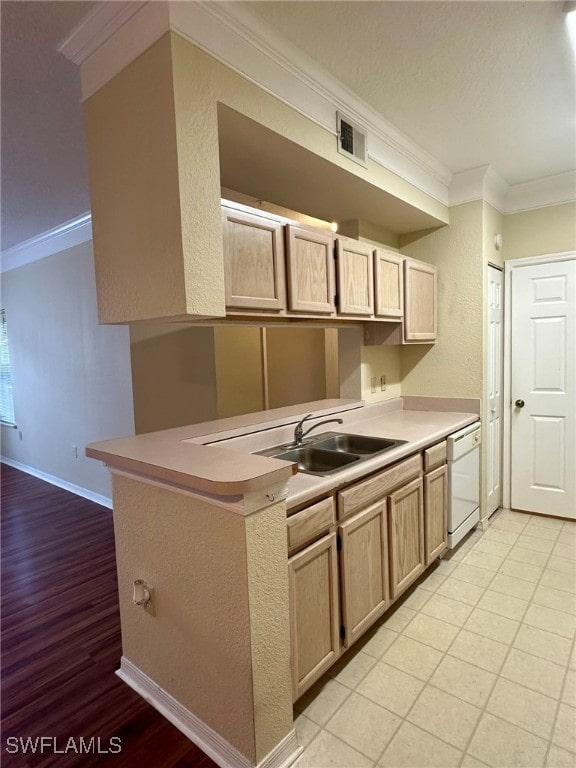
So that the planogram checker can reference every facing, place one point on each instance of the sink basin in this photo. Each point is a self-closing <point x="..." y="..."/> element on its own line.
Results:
<point x="316" y="461"/>
<point x="359" y="444"/>
<point x="328" y="452"/>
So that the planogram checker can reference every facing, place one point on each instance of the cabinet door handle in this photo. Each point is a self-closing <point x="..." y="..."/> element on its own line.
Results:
<point x="519" y="403"/>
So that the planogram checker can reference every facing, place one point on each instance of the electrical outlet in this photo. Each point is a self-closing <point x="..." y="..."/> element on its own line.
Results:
<point x="74" y="451"/>
<point x="383" y="383"/>
<point x="20" y="434"/>
<point x="373" y="384"/>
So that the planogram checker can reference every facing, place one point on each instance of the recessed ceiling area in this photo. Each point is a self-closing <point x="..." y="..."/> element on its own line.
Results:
<point x="265" y="165"/>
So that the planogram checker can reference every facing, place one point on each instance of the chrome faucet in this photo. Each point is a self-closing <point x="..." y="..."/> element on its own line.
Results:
<point x="299" y="433"/>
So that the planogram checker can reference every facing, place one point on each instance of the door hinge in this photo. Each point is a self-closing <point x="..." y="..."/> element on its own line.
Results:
<point x="342" y="631"/>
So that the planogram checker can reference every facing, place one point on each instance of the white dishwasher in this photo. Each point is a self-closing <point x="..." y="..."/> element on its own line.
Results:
<point x="463" y="453"/>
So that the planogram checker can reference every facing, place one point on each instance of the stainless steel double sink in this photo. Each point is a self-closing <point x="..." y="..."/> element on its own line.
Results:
<point x="331" y="451"/>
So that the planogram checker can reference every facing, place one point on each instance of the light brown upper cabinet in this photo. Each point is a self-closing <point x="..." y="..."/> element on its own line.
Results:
<point x="354" y="277"/>
<point x="310" y="261"/>
<point x="388" y="284"/>
<point x="254" y="264"/>
<point x="420" y="301"/>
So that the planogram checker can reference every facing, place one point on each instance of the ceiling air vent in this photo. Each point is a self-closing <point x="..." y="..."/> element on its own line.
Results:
<point x="351" y="139"/>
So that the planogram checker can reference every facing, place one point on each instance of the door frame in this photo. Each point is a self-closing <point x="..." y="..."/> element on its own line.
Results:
<point x="509" y="267"/>
<point x="486" y="410"/>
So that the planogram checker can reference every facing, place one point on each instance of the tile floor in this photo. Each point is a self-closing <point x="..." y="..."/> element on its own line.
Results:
<point x="475" y="668"/>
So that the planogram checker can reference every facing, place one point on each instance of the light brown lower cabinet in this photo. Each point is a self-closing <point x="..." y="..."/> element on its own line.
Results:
<point x="314" y="614"/>
<point x="406" y="535"/>
<point x="363" y="570"/>
<point x="436" y="512"/>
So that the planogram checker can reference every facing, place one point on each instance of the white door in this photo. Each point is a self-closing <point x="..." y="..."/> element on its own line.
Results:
<point x="543" y="383"/>
<point x="494" y="394"/>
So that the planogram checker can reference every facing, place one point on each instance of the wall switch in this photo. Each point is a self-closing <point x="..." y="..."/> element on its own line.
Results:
<point x="20" y="434"/>
<point x="383" y="383"/>
<point x="373" y="384"/>
<point x="74" y="451"/>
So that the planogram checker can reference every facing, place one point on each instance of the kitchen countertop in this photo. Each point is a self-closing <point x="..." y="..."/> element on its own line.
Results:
<point x="217" y="458"/>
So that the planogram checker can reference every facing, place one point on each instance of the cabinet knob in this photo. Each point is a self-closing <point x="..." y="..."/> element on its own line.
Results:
<point x="519" y="403"/>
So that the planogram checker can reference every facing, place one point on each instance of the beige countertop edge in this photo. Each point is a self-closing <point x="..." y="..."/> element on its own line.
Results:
<point x="246" y="481"/>
<point x="224" y="470"/>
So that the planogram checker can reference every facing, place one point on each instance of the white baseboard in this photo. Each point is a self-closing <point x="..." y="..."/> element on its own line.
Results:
<point x="211" y="743"/>
<point x="97" y="498"/>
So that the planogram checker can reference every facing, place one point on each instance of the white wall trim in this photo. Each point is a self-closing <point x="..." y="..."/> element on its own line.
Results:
<point x="541" y="193"/>
<point x="96" y="27"/>
<point x="509" y="267"/>
<point x="67" y="235"/>
<point x="78" y="490"/>
<point x="210" y="742"/>
<point x="484" y="183"/>
<point x="246" y="44"/>
<point x="114" y="34"/>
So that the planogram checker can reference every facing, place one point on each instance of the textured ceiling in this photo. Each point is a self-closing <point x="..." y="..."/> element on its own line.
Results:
<point x="473" y="83"/>
<point x="44" y="172"/>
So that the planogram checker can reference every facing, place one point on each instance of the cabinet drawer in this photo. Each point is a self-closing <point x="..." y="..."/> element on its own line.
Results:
<point x="369" y="491"/>
<point x="309" y="523"/>
<point x="435" y="456"/>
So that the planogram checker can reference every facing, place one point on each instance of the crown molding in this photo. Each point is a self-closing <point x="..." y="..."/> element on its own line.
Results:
<point x="67" y="235"/>
<point x="103" y="21"/>
<point x="541" y="193"/>
<point x="114" y="34"/>
<point x="248" y="45"/>
<point x="104" y="44"/>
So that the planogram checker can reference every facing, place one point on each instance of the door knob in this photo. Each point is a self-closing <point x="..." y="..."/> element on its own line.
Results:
<point x="519" y="403"/>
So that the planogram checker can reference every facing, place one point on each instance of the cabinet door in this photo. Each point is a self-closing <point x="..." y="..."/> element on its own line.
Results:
<point x="354" y="277"/>
<point x="310" y="260"/>
<point x="420" y="301"/>
<point x="436" y="512"/>
<point x="364" y="570"/>
<point x="253" y="262"/>
<point x="406" y="535"/>
<point x="388" y="284"/>
<point x="314" y="620"/>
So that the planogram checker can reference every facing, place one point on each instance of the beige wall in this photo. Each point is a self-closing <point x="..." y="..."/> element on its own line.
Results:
<point x="452" y="367"/>
<point x="239" y="370"/>
<point x="540" y="231"/>
<point x="219" y="642"/>
<point x="173" y="375"/>
<point x="380" y="361"/>
<point x="72" y="383"/>
<point x="296" y="366"/>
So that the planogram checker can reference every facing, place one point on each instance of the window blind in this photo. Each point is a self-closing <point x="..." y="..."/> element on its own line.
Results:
<point x="6" y="397"/>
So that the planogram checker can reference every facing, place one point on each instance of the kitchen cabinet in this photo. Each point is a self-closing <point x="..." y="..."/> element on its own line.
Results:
<point x="420" y="301"/>
<point x="314" y="612"/>
<point x="436" y="512"/>
<point x="406" y="535"/>
<point x="254" y="262"/>
<point x="364" y="570"/>
<point x="388" y="284"/>
<point x="355" y="279"/>
<point x="310" y="265"/>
